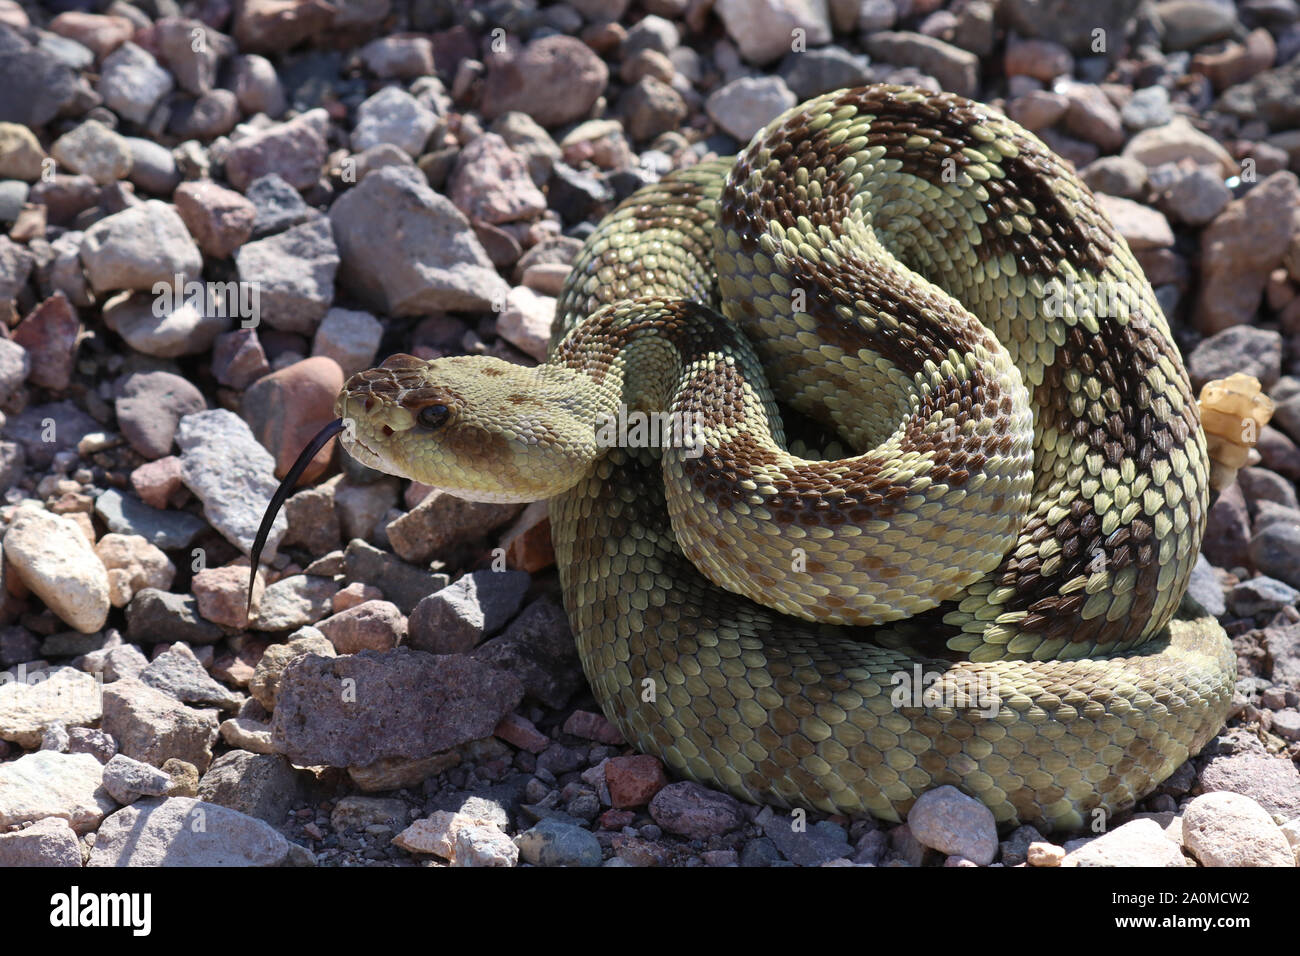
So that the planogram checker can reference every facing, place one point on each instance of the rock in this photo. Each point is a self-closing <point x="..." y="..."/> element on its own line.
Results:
<point x="538" y="649"/>
<point x="287" y="408"/>
<point x="226" y="468"/>
<point x="42" y="699"/>
<point x="372" y="625"/>
<point x="178" y="673"/>
<point x="38" y="87"/>
<point x="238" y="359"/>
<point x="1269" y="96"/>
<point x="1241" y="247"/>
<point x="219" y="219"/>
<point x="262" y="786"/>
<point x="1192" y="23"/>
<point x="801" y="844"/>
<point x="1147" y="108"/>
<point x="1067" y="22"/>
<point x="21" y="155"/>
<point x="133" y="564"/>
<point x="1271" y="782"/>
<point x="265" y="682"/>
<point x="555" y="843"/>
<point x="167" y="530"/>
<point x="293" y="273"/>
<point x="1176" y="141"/>
<point x="138" y="248"/>
<point x="49" y="784"/>
<point x="155" y="616"/>
<point x="152" y="726"/>
<point x="416" y="704"/>
<point x="634" y="781"/>
<point x="651" y="107"/>
<point x="437" y="264"/>
<point x="398" y="57"/>
<point x="99" y="34"/>
<point x="182" y="831"/>
<point x="153" y="168"/>
<point x="1228" y="829"/>
<point x="763" y="29"/>
<point x="746" y="105"/>
<point x="1206" y="589"/>
<point x="294" y="151"/>
<point x="54" y="560"/>
<point x="313" y="520"/>
<point x="31" y="429"/>
<point x="442" y="521"/>
<point x="953" y="823"/>
<point x="956" y="69"/>
<point x="47" y="842"/>
<point x="294" y="602"/>
<point x="350" y="337"/>
<point x="492" y="184"/>
<point x="1040" y="109"/>
<point x="169" y="324"/>
<point x="1141" y="226"/>
<point x="273" y="26"/>
<point x="401" y="583"/>
<point x="814" y="72"/>
<point x="1246" y="349"/>
<point x="278" y="206"/>
<point x="131" y="82"/>
<point x="1091" y="116"/>
<point x="95" y="151"/>
<point x="1198" y="197"/>
<point x="1137" y="843"/>
<point x="256" y="86"/>
<point x="222" y="595"/>
<point x="48" y="337"/>
<point x="457" y="618"/>
<point x="1275" y="550"/>
<point x="393" y="116"/>
<point x="694" y="811"/>
<point x="526" y="321"/>
<point x="128" y="780"/>
<point x="1045" y="854"/>
<point x="555" y="80"/>
<point x="150" y="406"/>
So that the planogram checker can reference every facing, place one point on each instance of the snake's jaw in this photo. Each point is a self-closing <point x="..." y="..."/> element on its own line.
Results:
<point x="474" y="426"/>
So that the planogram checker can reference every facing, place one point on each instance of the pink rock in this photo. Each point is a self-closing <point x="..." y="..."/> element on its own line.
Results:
<point x="522" y="733"/>
<point x="491" y="183"/>
<point x="555" y="80"/>
<point x="158" y="483"/>
<point x="222" y="595"/>
<point x="374" y="626"/>
<point x="97" y="33"/>
<point x="355" y="593"/>
<point x="295" y="150"/>
<point x="585" y="724"/>
<point x="263" y="26"/>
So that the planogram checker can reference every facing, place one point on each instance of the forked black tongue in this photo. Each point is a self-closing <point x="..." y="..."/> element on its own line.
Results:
<point x="281" y="494"/>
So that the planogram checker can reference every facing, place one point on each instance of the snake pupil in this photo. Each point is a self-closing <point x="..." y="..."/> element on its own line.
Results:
<point x="432" y="416"/>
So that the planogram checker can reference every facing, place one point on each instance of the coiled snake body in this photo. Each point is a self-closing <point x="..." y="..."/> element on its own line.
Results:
<point x="925" y="280"/>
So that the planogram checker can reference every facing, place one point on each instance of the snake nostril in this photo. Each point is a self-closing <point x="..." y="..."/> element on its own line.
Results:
<point x="387" y="431"/>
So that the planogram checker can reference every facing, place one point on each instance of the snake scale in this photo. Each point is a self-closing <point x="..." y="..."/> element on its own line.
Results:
<point x="983" y="591"/>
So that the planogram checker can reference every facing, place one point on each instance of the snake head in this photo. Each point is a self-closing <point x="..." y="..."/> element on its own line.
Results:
<point x="475" y="426"/>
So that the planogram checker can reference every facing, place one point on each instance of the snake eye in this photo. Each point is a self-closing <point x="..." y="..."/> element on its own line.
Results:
<point x="432" y="416"/>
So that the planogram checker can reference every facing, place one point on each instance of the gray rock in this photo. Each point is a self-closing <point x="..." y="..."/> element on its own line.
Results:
<point x="538" y="649"/>
<point x="153" y="168"/>
<point x="1206" y="589"/>
<point x="278" y="204"/>
<point x="293" y="602"/>
<point x="131" y="82"/>
<point x="954" y="824"/>
<point x="154" y="727"/>
<point x="1228" y="829"/>
<point x="231" y="473"/>
<point x="555" y="843"/>
<point x="182" y="831"/>
<point x="128" y="780"/>
<point x="416" y="705"/>
<point x="139" y="247"/>
<point x="1067" y="21"/>
<point x="94" y="150"/>
<point x="37" y="85"/>
<point x="956" y="69"/>
<point x="407" y="250"/>
<point x="403" y="584"/>
<point x="1275" y="551"/>
<point x="149" y="408"/>
<point x="814" y="72"/>
<point x="350" y="337"/>
<point x="804" y="844"/>
<point x="1147" y="108"/>
<point x="38" y="700"/>
<point x="1272" y="782"/>
<point x="1261" y="595"/>
<point x="264" y="786"/>
<point x="393" y="116"/>
<point x="170" y="324"/>
<point x="1192" y="23"/>
<point x="47" y="842"/>
<point x="161" y="617"/>
<point x="746" y="105"/>
<point x="178" y="672"/>
<point x="1242" y="348"/>
<point x="294" y="151"/>
<point x="457" y="618"/>
<point x="127" y="514"/>
<point x="294" y="273"/>
<point x="1197" y="197"/>
<point x="1137" y="843"/>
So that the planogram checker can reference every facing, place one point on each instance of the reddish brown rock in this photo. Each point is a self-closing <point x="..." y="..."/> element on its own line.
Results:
<point x="287" y="408"/>
<point x="273" y="26"/>
<point x="520" y="732"/>
<point x="222" y="594"/>
<point x="49" y="334"/>
<point x="634" y="781"/>
<point x="371" y="626"/>
<point x="97" y="33"/>
<point x="158" y="483"/>
<point x="585" y="724"/>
